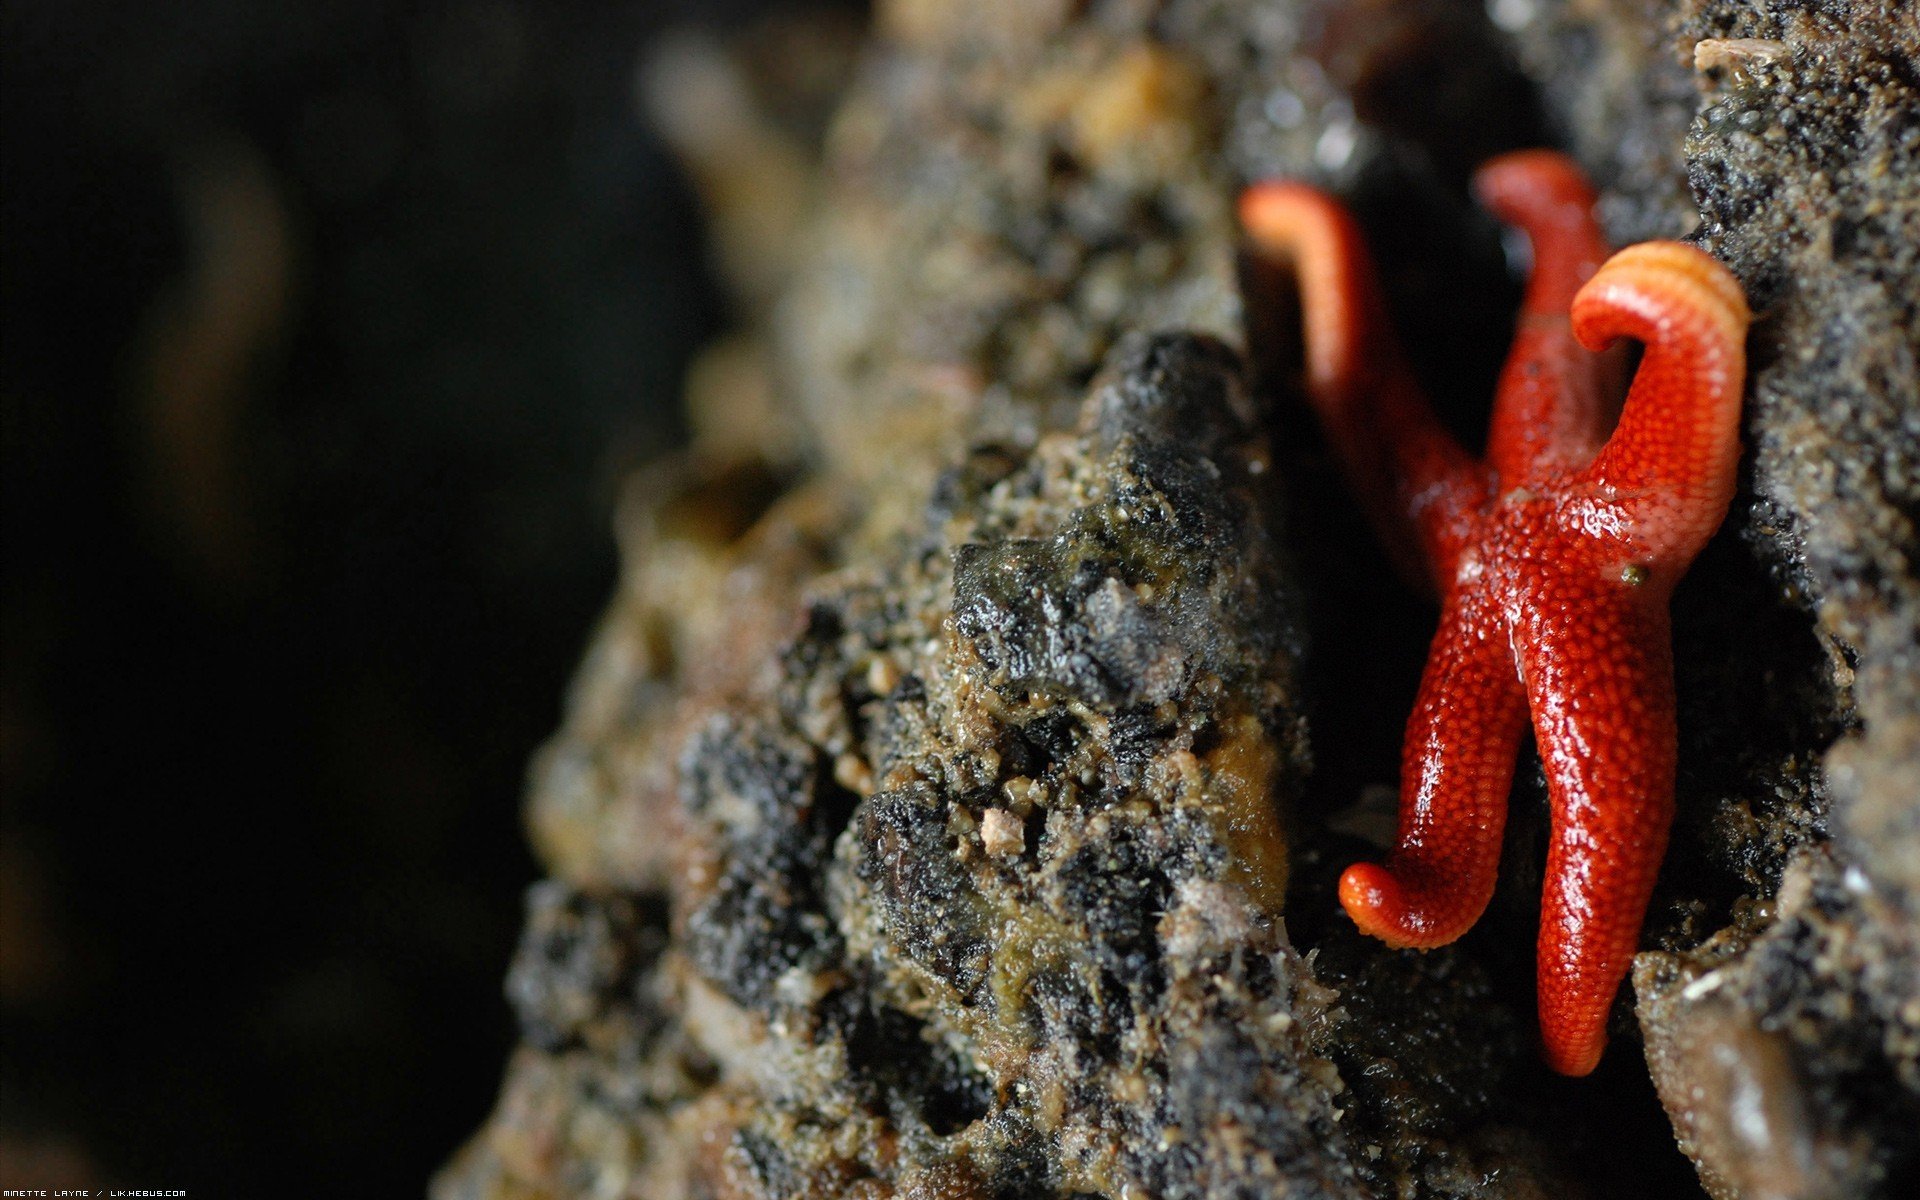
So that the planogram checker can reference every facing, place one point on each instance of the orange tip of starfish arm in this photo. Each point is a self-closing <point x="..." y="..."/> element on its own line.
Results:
<point x="1378" y="905"/>
<point x="1572" y="1054"/>
<point x="1308" y="229"/>
<point x="1274" y="208"/>
<point x="1664" y="280"/>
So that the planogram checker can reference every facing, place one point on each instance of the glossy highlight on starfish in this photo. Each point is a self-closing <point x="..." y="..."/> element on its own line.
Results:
<point x="1553" y="559"/>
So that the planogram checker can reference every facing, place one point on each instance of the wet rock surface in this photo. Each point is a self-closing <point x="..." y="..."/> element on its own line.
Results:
<point x="935" y="815"/>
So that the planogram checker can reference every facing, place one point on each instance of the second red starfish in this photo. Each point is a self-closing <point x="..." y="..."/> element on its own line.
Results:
<point x="1553" y="558"/>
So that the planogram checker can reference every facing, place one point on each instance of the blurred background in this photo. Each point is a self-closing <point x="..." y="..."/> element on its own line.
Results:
<point x="329" y="327"/>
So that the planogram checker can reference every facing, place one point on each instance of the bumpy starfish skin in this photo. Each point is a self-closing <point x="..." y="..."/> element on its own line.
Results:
<point x="1553" y="560"/>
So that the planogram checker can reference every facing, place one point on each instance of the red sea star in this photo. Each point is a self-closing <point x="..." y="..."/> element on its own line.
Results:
<point x="1553" y="559"/>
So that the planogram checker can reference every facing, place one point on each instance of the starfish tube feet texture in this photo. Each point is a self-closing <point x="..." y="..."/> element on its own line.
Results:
<point x="1553" y="559"/>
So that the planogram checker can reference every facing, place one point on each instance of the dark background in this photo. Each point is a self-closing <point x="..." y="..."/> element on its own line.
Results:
<point x="328" y="329"/>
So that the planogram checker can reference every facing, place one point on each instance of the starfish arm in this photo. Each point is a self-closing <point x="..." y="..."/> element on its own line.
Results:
<point x="1551" y="403"/>
<point x="1545" y="194"/>
<point x="1599" y="680"/>
<point x="1456" y="769"/>
<point x="1414" y="479"/>
<point x="1670" y="462"/>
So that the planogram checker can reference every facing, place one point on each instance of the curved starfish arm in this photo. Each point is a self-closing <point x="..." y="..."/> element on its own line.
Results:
<point x="1551" y="404"/>
<point x="1670" y="462"/>
<point x="1545" y="195"/>
<point x="1456" y="768"/>
<point x="1599" y="679"/>
<point x="1414" y="479"/>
